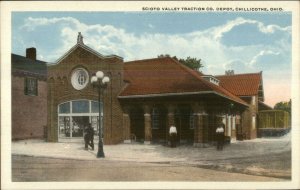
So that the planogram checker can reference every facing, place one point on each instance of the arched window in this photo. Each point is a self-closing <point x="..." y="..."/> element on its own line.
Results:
<point x="64" y="108"/>
<point x="74" y="115"/>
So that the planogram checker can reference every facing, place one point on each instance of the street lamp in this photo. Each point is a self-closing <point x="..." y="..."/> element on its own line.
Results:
<point x="100" y="81"/>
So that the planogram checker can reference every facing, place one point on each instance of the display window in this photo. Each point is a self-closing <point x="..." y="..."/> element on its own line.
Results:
<point x="74" y="116"/>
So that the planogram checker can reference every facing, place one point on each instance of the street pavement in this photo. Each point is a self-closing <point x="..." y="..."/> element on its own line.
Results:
<point x="263" y="156"/>
<point x="42" y="169"/>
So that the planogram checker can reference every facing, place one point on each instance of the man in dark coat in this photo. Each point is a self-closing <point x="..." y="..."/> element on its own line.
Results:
<point x="89" y="137"/>
<point x="173" y="135"/>
<point x="220" y="136"/>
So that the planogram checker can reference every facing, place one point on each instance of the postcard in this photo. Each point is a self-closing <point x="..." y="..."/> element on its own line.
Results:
<point x="150" y="95"/>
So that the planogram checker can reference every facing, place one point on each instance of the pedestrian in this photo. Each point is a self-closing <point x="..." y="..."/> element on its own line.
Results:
<point x="220" y="137"/>
<point x="89" y="137"/>
<point x="173" y="136"/>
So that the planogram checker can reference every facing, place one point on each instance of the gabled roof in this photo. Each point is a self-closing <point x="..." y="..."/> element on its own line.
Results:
<point x="22" y="64"/>
<point x="87" y="48"/>
<point x="242" y="84"/>
<point x="166" y="76"/>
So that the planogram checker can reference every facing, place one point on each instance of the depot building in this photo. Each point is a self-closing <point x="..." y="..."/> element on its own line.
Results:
<point x="141" y="101"/>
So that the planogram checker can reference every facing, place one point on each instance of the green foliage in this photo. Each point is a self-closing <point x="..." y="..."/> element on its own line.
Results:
<point x="285" y="106"/>
<point x="190" y="62"/>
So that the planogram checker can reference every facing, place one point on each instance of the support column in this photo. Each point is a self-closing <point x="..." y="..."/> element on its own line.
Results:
<point x="205" y="129"/>
<point x="238" y="126"/>
<point x="171" y="121"/>
<point x="147" y="125"/>
<point x="201" y="126"/>
<point x="233" y="128"/>
<point x="126" y="126"/>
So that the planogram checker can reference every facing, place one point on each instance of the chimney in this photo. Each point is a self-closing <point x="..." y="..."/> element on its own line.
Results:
<point x="229" y="72"/>
<point x="31" y="53"/>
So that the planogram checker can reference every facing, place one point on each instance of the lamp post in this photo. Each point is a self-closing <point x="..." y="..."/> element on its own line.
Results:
<point x="100" y="82"/>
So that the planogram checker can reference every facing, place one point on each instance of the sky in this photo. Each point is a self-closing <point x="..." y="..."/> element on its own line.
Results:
<point x="243" y="42"/>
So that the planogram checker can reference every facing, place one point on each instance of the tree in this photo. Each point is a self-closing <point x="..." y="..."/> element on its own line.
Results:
<point x="285" y="106"/>
<point x="190" y="62"/>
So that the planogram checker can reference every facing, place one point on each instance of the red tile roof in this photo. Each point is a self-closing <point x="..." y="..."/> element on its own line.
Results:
<point x="167" y="76"/>
<point x="241" y="84"/>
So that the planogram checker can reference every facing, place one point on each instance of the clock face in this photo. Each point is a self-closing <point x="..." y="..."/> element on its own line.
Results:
<point x="80" y="78"/>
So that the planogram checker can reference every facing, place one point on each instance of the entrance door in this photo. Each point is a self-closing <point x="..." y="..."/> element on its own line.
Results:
<point x="79" y="123"/>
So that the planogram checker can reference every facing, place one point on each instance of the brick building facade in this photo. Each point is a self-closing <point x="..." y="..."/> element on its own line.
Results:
<point x="145" y="97"/>
<point x="29" y="96"/>
<point x="162" y="92"/>
<point x="71" y="109"/>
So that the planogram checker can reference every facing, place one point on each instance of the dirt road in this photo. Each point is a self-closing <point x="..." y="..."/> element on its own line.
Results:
<point x="27" y="168"/>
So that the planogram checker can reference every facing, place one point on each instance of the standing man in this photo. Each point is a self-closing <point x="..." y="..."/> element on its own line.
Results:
<point x="220" y="137"/>
<point x="173" y="135"/>
<point x="89" y="137"/>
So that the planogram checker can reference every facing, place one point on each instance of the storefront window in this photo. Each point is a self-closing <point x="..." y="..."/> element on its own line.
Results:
<point x="74" y="116"/>
<point x="64" y="127"/>
<point x="95" y="124"/>
<point x="80" y="106"/>
<point x="64" y="108"/>
<point x="95" y="107"/>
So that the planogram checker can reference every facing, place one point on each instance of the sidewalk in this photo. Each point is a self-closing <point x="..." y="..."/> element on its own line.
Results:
<point x="229" y="159"/>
